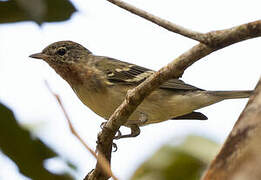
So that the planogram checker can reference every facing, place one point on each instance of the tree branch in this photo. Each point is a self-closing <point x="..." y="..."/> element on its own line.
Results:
<point x="239" y="157"/>
<point x="161" y="22"/>
<point x="175" y="69"/>
<point x="212" y="39"/>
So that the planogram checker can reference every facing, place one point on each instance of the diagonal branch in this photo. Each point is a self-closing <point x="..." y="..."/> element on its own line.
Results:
<point x="175" y="69"/>
<point x="161" y="22"/>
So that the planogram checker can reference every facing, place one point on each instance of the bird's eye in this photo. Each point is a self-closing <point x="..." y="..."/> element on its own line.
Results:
<point x="61" y="51"/>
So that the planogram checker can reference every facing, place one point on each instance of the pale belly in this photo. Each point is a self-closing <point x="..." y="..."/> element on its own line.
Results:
<point x="160" y="106"/>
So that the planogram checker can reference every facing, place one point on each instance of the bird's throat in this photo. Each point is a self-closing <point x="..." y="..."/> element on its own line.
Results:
<point x="74" y="74"/>
<point x="80" y="75"/>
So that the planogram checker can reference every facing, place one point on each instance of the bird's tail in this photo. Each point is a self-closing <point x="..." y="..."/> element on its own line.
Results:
<point x="231" y="94"/>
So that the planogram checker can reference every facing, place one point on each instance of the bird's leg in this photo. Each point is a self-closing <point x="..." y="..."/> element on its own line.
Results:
<point x="134" y="126"/>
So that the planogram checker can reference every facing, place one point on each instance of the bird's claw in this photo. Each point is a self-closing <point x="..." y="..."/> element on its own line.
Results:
<point x="114" y="146"/>
<point x="118" y="135"/>
<point x="102" y="125"/>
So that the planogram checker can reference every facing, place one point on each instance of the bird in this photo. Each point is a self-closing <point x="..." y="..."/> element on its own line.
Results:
<point x="101" y="83"/>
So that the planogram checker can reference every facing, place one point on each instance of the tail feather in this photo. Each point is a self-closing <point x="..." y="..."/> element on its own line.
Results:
<point x="231" y="94"/>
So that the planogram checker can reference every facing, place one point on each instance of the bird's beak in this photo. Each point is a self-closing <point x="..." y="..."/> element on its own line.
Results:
<point x="39" y="56"/>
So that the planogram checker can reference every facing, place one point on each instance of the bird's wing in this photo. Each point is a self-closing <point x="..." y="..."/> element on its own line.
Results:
<point x="130" y="74"/>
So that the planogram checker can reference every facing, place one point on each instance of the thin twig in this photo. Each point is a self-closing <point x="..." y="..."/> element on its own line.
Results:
<point x="173" y="70"/>
<point x="161" y="22"/>
<point x="105" y="165"/>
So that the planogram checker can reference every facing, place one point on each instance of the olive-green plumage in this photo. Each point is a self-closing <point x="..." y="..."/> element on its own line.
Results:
<point x="101" y="84"/>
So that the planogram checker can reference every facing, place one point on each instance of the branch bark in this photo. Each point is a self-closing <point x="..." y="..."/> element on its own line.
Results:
<point x="217" y="40"/>
<point x="239" y="157"/>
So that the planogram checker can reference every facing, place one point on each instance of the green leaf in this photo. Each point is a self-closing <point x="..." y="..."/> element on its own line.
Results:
<point x="28" y="153"/>
<point x="38" y="11"/>
<point x="184" y="162"/>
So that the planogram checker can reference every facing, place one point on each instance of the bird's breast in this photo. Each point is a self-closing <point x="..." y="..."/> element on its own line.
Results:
<point x="103" y="101"/>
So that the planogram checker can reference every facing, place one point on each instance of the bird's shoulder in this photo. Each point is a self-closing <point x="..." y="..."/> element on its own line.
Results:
<point x="125" y="73"/>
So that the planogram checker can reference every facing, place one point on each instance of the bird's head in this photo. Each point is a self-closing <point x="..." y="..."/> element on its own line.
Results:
<point x="68" y="59"/>
<point x="62" y="52"/>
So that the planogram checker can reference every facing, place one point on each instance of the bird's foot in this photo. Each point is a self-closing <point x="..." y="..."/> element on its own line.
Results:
<point x="134" y="126"/>
<point x="135" y="131"/>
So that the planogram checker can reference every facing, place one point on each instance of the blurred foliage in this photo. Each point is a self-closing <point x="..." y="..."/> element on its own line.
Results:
<point x="184" y="162"/>
<point x="28" y="152"/>
<point x="38" y="11"/>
